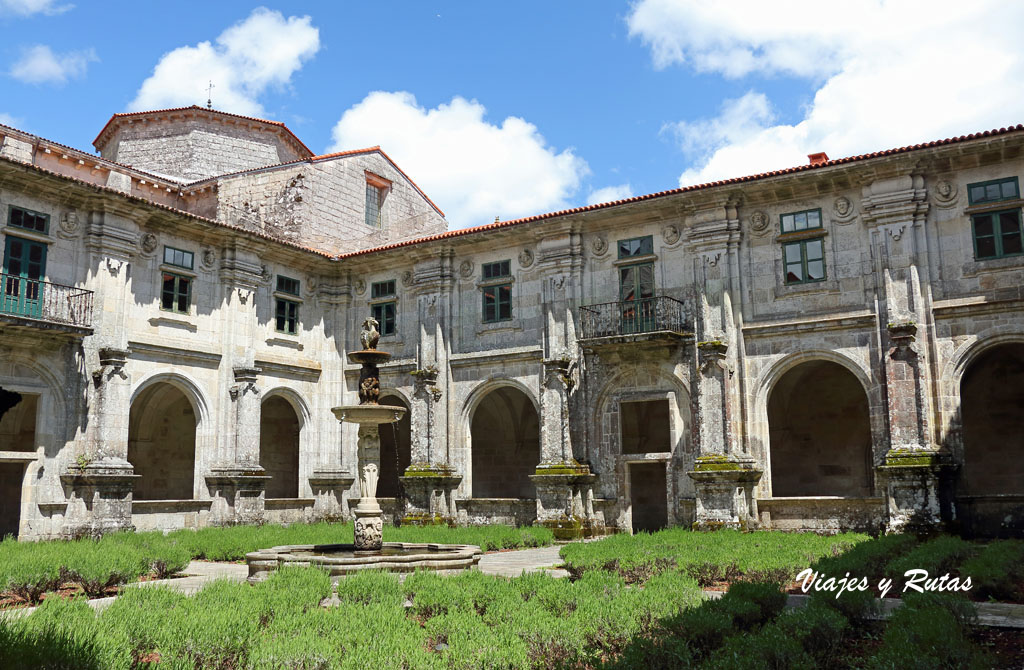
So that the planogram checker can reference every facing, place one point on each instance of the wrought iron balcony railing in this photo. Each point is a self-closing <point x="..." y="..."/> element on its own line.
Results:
<point x="631" y="317"/>
<point x="43" y="301"/>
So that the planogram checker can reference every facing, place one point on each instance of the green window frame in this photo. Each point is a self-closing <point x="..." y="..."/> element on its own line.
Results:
<point x="804" y="261"/>
<point x="807" y="219"/>
<point x="993" y="190"/>
<point x="636" y="246"/>
<point x="382" y="289"/>
<point x="179" y="258"/>
<point x="176" y="293"/>
<point x="496" y="297"/>
<point x="287" y="285"/>
<point x="997" y="234"/>
<point x="386" y="314"/>
<point x="27" y="219"/>
<point x="286" y="316"/>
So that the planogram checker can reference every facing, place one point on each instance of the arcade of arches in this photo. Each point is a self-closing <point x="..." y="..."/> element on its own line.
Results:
<point x="819" y="432"/>
<point x="17" y="433"/>
<point x="992" y="410"/>
<point x="162" y="443"/>
<point x="505" y="433"/>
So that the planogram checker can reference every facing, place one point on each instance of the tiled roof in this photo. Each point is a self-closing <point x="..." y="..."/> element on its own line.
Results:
<point x="168" y="208"/>
<point x="686" y="189"/>
<point x="321" y="157"/>
<point x="124" y="115"/>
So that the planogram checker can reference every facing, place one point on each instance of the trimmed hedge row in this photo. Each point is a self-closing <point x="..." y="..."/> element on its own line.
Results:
<point x="28" y="570"/>
<point x="724" y="555"/>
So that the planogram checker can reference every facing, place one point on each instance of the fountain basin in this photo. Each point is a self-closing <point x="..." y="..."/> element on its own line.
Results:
<point x="343" y="559"/>
<point x="369" y="414"/>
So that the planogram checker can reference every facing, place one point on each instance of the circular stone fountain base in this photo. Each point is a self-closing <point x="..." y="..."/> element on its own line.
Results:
<point x="343" y="559"/>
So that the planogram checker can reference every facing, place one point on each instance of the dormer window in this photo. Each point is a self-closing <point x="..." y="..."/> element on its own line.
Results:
<point x="377" y="189"/>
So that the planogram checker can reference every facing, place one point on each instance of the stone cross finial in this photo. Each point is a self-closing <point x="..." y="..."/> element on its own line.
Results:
<point x="209" y="95"/>
<point x="370" y="334"/>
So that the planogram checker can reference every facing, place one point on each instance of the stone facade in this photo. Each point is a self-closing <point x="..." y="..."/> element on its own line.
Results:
<point x="885" y="396"/>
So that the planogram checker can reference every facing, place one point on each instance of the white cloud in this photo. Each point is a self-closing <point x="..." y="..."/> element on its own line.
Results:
<point x="610" y="194"/>
<point x="256" y="54"/>
<point x="40" y="65"/>
<point x="473" y="169"/>
<point x="30" y="7"/>
<point x="886" y="74"/>
<point x="9" y="120"/>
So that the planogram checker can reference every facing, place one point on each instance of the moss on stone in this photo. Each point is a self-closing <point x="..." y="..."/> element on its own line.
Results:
<point x="566" y="528"/>
<point x="715" y="463"/>
<point x="902" y="457"/>
<point x="425" y="470"/>
<point x="423" y="519"/>
<point x="571" y="467"/>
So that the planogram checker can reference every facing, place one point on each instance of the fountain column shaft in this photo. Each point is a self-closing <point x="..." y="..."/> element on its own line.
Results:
<point x="369" y="523"/>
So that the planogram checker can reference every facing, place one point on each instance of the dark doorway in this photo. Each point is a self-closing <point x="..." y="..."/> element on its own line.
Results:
<point x="506" y="445"/>
<point x="820" y="433"/>
<point x="992" y="407"/>
<point x="162" y="443"/>
<point x="648" y="494"/>
<point x="11" y="476"/>
<point x="395" y="450"/>
<point x="279" y="447"/>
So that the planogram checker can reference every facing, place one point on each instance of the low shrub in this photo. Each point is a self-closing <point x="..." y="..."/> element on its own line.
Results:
<point x="997" y="571"/>
<point x="929" y="631"/>
<point x="939" y="556"/>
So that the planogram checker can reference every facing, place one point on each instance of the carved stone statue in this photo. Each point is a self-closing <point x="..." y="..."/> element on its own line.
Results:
<point x="370" y="334"/>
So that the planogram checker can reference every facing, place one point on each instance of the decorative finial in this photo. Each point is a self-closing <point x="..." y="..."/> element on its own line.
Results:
<point x="370" y="334"/>
<point x="497" y="218"/>
<point x="209" y="95"/>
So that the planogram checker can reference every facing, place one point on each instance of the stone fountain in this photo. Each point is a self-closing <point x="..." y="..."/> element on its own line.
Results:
<point x="369" y="551"/>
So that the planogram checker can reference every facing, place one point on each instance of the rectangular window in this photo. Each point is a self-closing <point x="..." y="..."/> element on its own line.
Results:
<point x="176" y="295"/>
<point x="286" y="316"/>
<point x="178" y="257"/>
<point x="385" y="313"/>
<point x="645" y="426"/>
<point x="804" y="261"/>
<point x="806" y="220"/>
<point x="497" y="269"/>
<point x="497" y="303"/>
<point x="993" y="191"/>
<point x="374" y="201"/>
<point x="382" y="289"/>
<point x="636" y="246"/>
<point x="997" y="234"/>
<point x="287" y="285"/>
<point x="28" y="220"/>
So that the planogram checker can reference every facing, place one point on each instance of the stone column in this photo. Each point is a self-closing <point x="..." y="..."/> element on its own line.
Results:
<point x="101" y="480"/>
<point x="239" y="486"/>
<point x="724" y="475"/>
<point x="913" y="468"/>
<point x="430" y="481"/>
<point x="429" y="485"/>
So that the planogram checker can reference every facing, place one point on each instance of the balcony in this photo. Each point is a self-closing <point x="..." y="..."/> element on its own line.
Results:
<point x="660" y="317"/>
<point x="31" y="304"/>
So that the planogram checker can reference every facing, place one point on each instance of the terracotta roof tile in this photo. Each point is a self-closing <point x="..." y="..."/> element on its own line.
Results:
<point x="686" y="189"/>
<point x="123" y="115"/>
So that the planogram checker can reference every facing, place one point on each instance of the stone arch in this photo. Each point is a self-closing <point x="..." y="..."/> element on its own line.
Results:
<point x="816" y="409"/>
<point x="502" y="420"/>
<point x="649" y="490"/>
<point x="37" y="423"/>
<point x="991" y="392"/>
<point x="168" y="422"/>
<point x="395" y="445"/>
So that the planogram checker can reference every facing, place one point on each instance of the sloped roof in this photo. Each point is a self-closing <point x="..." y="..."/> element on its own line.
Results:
<point x="117" y="119"/>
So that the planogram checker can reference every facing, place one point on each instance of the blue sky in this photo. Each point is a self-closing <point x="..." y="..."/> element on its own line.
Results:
<point x="511" y="109"/>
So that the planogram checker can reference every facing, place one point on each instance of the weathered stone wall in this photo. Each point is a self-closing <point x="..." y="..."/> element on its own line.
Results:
<point x="194" y="149"/>
<point x="322" y="204"/>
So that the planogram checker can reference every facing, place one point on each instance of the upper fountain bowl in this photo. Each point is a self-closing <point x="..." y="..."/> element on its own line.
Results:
<point x="369" y="414"/>
<point x="369" y="356"/>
